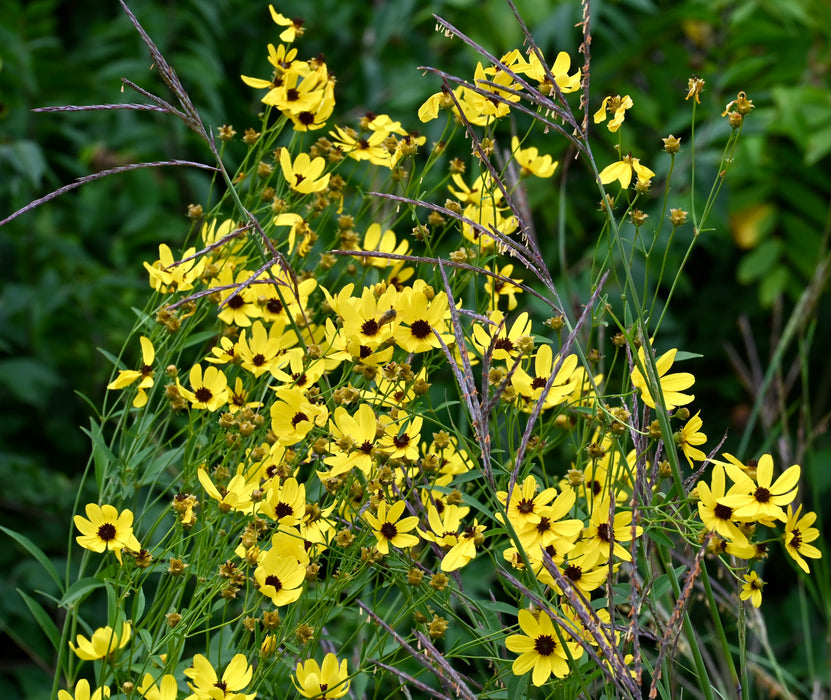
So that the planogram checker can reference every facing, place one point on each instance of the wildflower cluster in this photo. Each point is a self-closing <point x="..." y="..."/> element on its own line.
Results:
<point x="290" y="462"/>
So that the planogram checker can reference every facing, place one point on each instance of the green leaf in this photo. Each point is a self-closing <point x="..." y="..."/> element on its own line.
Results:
<point x="759" y="262"/>
<point x="42" y="617"/>
<point x="773" y="285"/>
<point x="35" y="551"/>
<point x="102" y="456"/>
<point x="78" y="590"/>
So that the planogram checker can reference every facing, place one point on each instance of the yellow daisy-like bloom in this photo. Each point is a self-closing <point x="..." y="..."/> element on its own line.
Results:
<point x="390" y="528"/>
<point x="540" y="649"/>
<point x="105" y="528"/>
<point x="239" y="304"/>
<point x="761" y="500"/>
<point x="752" y="589"/>
<point x="293" y="416"/>
<point x="280" y="576"/>
<point x="293" y="27"/>
<point x="531" y="387"/>
<point x="798" y="533"/>
<point x="235" y="496"/>
<point x="369" y="147"/>
<point x="400" y="441"/>
<point x="167" y="688"/>
<point x="531" y="162"/>
<point x="329" y="680"/>
<point x="259" y="349"/>
<point x="167" y="276"/>
<point x="497" y="288"/>
<point x="501" y="336"/>
<point x="716" y="517"/>
<point x="385" y="242"/>
<point x="305" y="174"/>
<point x="526" y="505"/>
<point x="689" y="436"/>
<point x="616" y="105"/>
<point x="446" y="531"/>
<point x="82" y="692"/>
<point x="209" y="390"/>
<point x="418" y="318"/>
<point x="353" y="441"/>
<point x="207" y="685"/>
<point x="622" y="172"/>
<point x="144" y="374"/>
<point x="671" y="384"/>
<point x="559" y="70"/>
<point x="602" y="536"/>
<point x="103" y="644"/>
<point x="286" y="504"/>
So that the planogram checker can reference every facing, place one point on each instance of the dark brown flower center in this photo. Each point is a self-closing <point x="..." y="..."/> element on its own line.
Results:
<point x="203" y="394"/>
<point x="762" y="495"/>
<point x="298" y="417"/>
<point x="236" y="302"/>
<point x="605" y="533"/>
<point x="370" y="327"/>
<point x="723" y="512"/>
<point x="575" y="573"/>
<point x="420" y="329"/>
<point x="545" y="645"/>
<point x="525" y="506"/>
<point x="283" y="509"/>
<point x="107" y="532"/>
<point x="272" y="580"/>
<point x="389" y="531"/>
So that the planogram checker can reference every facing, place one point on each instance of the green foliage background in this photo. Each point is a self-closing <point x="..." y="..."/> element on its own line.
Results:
<point x="72" y="268"/>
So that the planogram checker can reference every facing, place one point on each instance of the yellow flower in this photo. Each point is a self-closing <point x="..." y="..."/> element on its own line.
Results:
<point x="540" y="648"/>
<point x="400" y="441"/>
<point x="798" y="533"/>
<point x="497" y="287"/>
<point x="617" y="105"/>
<point x="209" y="390"/>
<point x="499" y="337"/>
<point x="286" y="504"/>
<point x="689" y="436"/>
<point x="104" y="643"/>
<point x="531" y="162"/>
<point x="166" y="275"/>
<point x="531" y="386"/>
<point x="716" y="517"/>
<point x="752" y="589"/>
<point x="304" y="175"/>
<point x="761" y="500"/>
<point x="671" y="384"/>
<point x="535" y="70"/>
<point x="390" y="528"/>
<point x="105" y="528"/>
<point x="208" y="686"/>
<point x="293" y="27"/>
<point x="293" y="415"/>
<point x="353" y="441"/>
<point x="167" y="688"/>
<point x="126" y="377"/>
<point x="622" y="171"/>
<point x="82" y="692"/>
<point x="329" y="680"/>
<point x="280" y="576"/>
<point x="420" y="320"/>
<point x="385" y="242"/>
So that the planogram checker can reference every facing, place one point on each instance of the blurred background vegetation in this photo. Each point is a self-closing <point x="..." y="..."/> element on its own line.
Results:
<point x="72" y="268"/>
